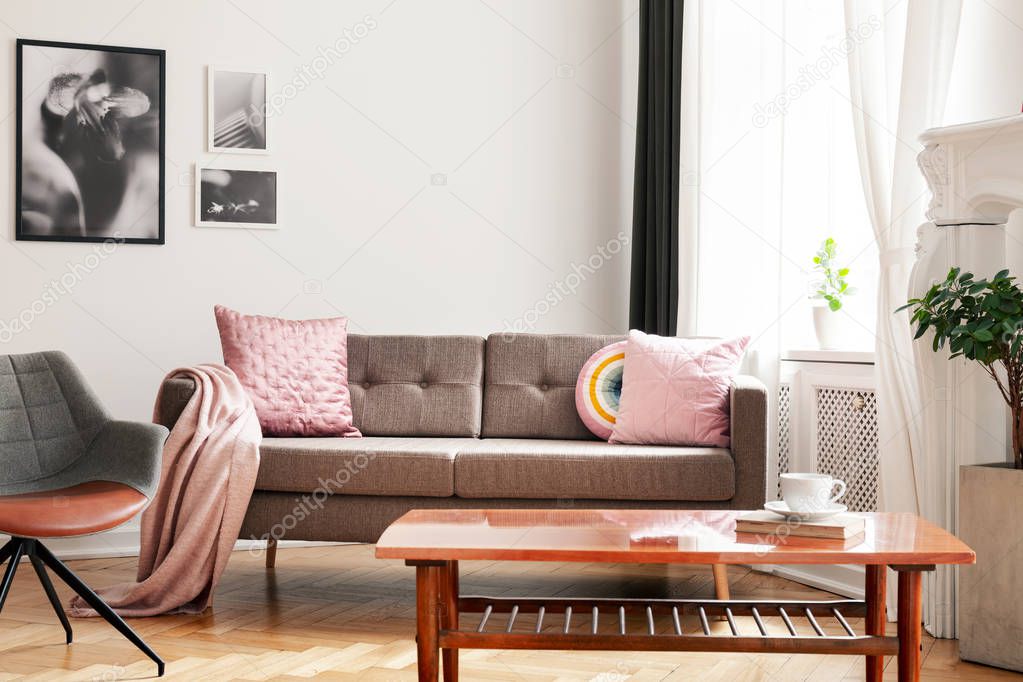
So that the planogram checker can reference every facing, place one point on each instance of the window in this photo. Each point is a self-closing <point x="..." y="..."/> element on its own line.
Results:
<point x="778" y="170"/>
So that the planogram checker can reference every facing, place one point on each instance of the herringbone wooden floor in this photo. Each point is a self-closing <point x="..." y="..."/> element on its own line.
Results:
<point x="336" y="613"/>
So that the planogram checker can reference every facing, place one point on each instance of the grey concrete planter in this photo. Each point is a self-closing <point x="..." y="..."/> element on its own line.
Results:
<point x="991" y="592"/>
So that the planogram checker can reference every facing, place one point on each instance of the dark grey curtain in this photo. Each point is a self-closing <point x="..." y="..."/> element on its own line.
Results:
<point x="653" y="298"/>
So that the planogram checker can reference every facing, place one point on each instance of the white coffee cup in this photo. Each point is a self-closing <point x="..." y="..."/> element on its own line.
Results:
<point x="810" y="492"/>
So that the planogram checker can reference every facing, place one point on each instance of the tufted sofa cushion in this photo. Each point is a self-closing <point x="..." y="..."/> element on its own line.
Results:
<point x="530" y="384"/>
<point x="48" y="416"/>
<point x="416" y="385"/>
<point x="295" y="371"/>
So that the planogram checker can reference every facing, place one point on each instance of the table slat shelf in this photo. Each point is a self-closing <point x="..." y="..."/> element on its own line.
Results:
<point x="657" y="625"/>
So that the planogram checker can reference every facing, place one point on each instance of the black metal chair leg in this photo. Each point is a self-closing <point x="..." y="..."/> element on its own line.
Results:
<point x="51" y="593"/>
<point x="17" y="550"/>
<point x="8" y="548"/>
<point x="93" y="600"/>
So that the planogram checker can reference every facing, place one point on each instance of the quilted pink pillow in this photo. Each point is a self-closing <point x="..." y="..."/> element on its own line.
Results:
<point x="676" y="391"/>
<point x="295" y="371"/>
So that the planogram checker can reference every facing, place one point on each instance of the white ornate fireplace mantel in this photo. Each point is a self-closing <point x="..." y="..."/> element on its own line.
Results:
<point x="976" y="182"/>
<point x="973" y="171"/>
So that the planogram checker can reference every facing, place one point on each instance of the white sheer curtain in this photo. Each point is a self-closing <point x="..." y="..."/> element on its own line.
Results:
<point x="730" y="232"/>
<point x="769" y="171"/>
<point x="898" y="87"/>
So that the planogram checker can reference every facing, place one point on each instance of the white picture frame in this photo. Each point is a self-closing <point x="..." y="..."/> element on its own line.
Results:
<point x="225" y="197"/>
<point x="236" y="119"/>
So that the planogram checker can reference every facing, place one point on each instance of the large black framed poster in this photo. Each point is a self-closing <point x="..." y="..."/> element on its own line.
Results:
<point x="90" y="143"/>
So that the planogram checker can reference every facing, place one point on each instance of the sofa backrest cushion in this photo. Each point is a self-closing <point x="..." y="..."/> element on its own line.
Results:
<point x="530" y="384"/>
<point x="416" y="385"/>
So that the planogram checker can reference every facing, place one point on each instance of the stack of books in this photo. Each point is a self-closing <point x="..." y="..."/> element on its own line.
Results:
<point x="837" y="527"/>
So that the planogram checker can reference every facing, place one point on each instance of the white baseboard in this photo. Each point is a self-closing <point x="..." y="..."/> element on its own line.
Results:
<point x="846" y="580"/>
<point x="124" y="542"/>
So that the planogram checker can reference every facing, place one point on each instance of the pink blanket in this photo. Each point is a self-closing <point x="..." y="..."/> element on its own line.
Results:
<point x="189" y="530"/>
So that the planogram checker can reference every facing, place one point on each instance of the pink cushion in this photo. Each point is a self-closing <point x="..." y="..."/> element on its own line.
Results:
<point x="296" y="371"/>
<point x="676" y="391"/>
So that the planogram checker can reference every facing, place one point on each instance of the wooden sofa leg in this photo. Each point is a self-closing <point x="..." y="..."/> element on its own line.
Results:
<point x="721" y="581"/>
<point x="271" y="552"/>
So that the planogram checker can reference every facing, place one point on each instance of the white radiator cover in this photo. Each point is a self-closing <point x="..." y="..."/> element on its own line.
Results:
<point x="827" y="422"/>
<point x="843" y="424"/>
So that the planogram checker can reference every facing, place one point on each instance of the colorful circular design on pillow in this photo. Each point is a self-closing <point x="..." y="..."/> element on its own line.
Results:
<point x="599" y="388"/>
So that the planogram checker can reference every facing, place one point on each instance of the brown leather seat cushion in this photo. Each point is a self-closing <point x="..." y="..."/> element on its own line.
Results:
<point x="78" y="510"/>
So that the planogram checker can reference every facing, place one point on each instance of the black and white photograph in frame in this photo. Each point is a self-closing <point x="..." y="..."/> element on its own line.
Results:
<point x="235" y="198"/>
<point x="236" y="120"/>
<point x="89" y="159"/>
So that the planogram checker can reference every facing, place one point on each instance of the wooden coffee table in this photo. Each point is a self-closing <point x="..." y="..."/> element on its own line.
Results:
<point x="434" y="541"/>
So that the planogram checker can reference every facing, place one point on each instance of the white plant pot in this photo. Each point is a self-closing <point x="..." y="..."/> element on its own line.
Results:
<point x="832" y="328"/>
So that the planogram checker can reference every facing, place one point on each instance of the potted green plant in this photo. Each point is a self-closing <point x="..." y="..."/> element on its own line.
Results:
<point x="981" y="320"/>
<point x="830" y="292"/>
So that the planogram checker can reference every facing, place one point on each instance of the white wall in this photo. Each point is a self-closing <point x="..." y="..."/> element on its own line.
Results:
<point x="988" y="63"/>
<point x="525" y="109"/>
<point x="986" y="80"/>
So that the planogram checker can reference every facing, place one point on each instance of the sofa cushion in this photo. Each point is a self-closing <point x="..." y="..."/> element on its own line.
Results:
<point x="416" y="385"/>
<point x="551" y="469"/>
<point x="530" y="384"/>
<point x="361" y="466"/>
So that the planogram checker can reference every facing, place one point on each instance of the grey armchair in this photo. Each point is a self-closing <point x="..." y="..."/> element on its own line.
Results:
<point x="67" y="469"/>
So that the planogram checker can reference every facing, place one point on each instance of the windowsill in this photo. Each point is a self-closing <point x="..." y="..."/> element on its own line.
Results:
<point x="858" y="357"/>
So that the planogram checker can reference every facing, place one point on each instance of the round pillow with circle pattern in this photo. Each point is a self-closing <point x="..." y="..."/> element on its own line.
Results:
<point x="598" y="389"/>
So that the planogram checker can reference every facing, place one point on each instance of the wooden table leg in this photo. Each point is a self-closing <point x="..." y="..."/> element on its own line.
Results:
<point x="720" y="581"/>
<point x="449" y="617"/>
<point x="427" y="620"/>
<point x="910" y="619"/>
<point x="876" y="619"/>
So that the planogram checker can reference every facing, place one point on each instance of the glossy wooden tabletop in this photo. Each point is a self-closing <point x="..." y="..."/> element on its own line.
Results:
<point x="655" y="536"/>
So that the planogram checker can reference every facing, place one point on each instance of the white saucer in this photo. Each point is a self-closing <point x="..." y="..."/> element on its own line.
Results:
<point x="781" y="509"/>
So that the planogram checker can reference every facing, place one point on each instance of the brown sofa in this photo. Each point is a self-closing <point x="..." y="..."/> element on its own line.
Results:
<point x="462" y="421"/>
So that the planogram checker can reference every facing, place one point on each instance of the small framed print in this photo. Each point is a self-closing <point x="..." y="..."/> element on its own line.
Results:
<point x="237" y="105"/>
<point x="235" y="198"/>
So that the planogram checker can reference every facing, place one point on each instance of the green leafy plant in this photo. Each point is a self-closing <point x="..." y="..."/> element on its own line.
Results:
<point x="832" y="287"/>
<point x="980" y="320"/>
